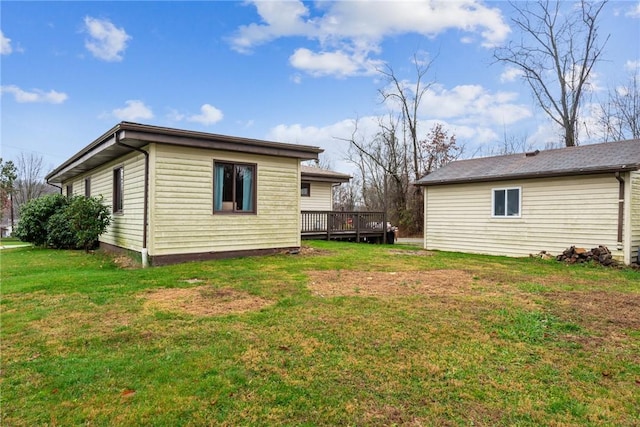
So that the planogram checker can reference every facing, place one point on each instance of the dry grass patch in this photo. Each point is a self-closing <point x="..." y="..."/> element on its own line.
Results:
<point x="388" y="284"/>
<point x="420" y="252"/>
<point x="203" y="301"/>
<point x="608" y="313"/>
<point x="309" y="251"/>
<point x="126" y="262"/>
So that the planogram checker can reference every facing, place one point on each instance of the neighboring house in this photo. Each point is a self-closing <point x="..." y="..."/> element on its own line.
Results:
<point x="549" y="200"/>
<point x="179" y="195"/>
<point x="316" y="188"/>
<point x="5" y="229"/>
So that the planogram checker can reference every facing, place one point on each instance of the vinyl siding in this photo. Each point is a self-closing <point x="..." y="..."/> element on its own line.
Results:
<point x="125" y="230"/>
<point x="182" y="219"/>
<point x="78" y="186"/>
<point x="321" y="197"/>
<point x="555" y="214"/>
<point x="635" y="215"/>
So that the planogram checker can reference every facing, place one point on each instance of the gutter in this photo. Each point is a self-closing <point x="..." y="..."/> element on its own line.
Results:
<point x="620" y="208"/>
<point x="145" y="215"/>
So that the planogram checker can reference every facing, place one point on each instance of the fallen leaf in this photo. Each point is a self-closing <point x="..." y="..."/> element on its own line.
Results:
<point x="128" y="393"/>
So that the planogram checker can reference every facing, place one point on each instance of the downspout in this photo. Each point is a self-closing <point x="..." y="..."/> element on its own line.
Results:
<point x="57" y="186"/>
<point x="145" y="222"/>
<point x="620" y="209"/>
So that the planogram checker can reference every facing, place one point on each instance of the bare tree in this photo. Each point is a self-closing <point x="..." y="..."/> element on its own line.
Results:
<point x="30" y="182"/>
<point x="382" y="166"/>
<point x="408" y="98"/>
<point x="395" y="156"/>
<point x="619" y="117"/>
<point x="346" y="196"/>
<point x="556" y="54"/>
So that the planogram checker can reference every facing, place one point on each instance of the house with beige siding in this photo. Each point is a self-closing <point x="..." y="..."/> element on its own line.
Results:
<point x="180" y="195"/>
<point x="316" y="188"/>
<point x="519" y="204"/>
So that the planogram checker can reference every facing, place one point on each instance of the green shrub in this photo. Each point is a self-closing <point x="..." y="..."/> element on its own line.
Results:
<point x="60" y="235"/>
<point x="88" y="218"/>
<point x="34" y="217"/>
<point x="63" y="222"/>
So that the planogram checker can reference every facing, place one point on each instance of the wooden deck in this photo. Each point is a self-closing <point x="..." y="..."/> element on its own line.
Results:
<point x="341" y="225"/>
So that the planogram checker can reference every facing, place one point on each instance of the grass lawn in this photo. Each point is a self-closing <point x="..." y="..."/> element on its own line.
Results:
<point x="8" y="242"/>
<point x="341" y="334"/>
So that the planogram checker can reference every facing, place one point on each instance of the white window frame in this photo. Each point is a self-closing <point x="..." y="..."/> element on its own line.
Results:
<point x="506" y="202"/>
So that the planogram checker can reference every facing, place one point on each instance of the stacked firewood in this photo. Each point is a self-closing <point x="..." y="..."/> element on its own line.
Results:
<point x="600" y="255"/>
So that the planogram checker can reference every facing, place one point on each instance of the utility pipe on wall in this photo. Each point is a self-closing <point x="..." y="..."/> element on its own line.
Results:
<point x="620" y="209"/>
<point x="145" y="222"/>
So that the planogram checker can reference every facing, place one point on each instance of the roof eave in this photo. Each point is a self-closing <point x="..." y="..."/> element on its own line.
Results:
<point x="325" y="178"/>
<point x="137" y="135"/>
<point x="548" y="174"/>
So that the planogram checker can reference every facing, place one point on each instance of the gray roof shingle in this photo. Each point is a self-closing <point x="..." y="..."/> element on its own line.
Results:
<point x="323" y="174"/>
<point x="584" y="159"/>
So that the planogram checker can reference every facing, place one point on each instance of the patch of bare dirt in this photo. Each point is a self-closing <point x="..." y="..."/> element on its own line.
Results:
<point x="421" y="252"/>
<point x="309" y="251"/>
<point x="204" y="300"/>
<point x="388" y="284"/>
<point x="125" y="262"/>
<point x="602" y="310"/>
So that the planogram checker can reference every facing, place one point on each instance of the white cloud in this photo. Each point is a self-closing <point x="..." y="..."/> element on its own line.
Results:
<point x="547" y="134"/>
<point x="510" y="74"/>
<point x="632" y="66"/>
<point x="338" y="63"/>
<point x="208" y="115"/>
<point x="349" y="32"/>
<point x="36" y="95"/>
<point x="283" y="18"/>
<point x="5" y="44"/>
<point x="634" y="12"/>
<point x="472" y="104"/>
<point x="371" y="21"/>
<point x="175" y="115"/>
<point x="106" y="42"/>
<point x="134" y="110"/>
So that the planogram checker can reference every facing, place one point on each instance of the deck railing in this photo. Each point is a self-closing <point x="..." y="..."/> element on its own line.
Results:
<point x="344" y="225"/>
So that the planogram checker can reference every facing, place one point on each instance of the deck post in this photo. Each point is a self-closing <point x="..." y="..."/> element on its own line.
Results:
<point x="329" y="225"/>
<point x="384" y="227"/>
<point x="357" y="219"/>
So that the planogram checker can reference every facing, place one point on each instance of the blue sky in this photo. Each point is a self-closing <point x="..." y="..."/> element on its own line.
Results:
<point x="284" y="71"/>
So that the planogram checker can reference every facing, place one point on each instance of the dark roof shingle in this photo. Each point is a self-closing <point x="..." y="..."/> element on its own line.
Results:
<point x="317" y="173"/>
<point x="584" y="159"/>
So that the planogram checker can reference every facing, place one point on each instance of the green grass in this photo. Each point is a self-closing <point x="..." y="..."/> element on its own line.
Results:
<point x="521" y="342"/>
<point x="8" y="242"/>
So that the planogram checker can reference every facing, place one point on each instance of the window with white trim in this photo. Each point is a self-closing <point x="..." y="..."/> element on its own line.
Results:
<point x="506" y="202"/>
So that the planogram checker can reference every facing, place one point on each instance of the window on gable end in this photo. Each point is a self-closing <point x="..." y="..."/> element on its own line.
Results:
<point x="506" y="202"/>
